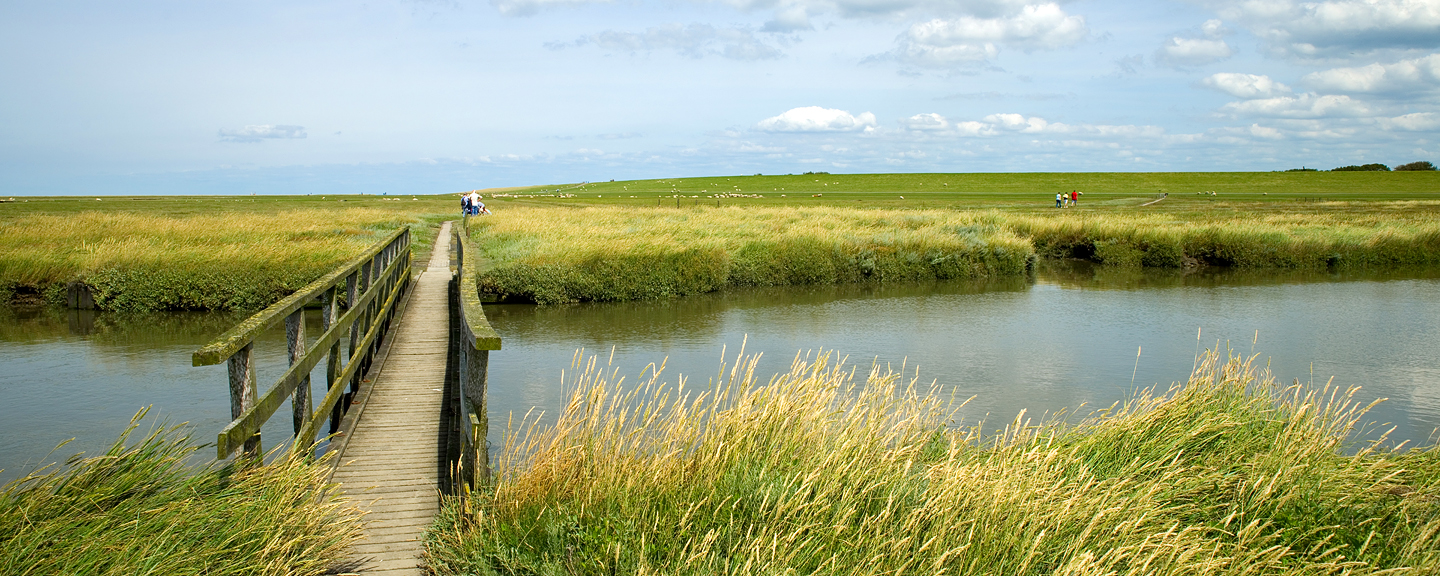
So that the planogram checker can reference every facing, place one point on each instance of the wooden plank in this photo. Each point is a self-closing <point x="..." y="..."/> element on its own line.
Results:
<point x="390" y="456"/>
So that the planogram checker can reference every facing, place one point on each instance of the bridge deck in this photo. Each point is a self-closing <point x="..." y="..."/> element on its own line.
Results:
<point x="390" y="463"/>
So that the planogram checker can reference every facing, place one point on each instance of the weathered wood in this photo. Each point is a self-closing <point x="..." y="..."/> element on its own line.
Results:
<point x="244" y="333"/>
<point x="295" y="347"/>
<point x="257" y="413"/>
<point x="478" y="334"/>
<point x="332" y="363"/>
<point x="390" y="458"/>
<point x="242" y="393"/>
<point x="352" y="367"/>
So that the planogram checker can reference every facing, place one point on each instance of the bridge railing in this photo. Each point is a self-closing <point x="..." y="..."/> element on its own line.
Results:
<point x="357" y="299"/>
<point x="477" y="339"/>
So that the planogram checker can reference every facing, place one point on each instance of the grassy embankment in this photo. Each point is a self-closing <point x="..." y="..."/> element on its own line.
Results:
<point x="818" y="473"/>
<point x="549" y="254"/>
<point x="243" y="252"/>
<point x="140" y="509"/>
<point x="183" y="253"/>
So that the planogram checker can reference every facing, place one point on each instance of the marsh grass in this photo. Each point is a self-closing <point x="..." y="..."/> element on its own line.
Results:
<point x="139" y="508"/>
<point x="551" y="255"/>
<point x="1243" y="240"/>
<point x="222" y="261"/>
<point x="823" y="470"/>
<point x="563" y="255"/>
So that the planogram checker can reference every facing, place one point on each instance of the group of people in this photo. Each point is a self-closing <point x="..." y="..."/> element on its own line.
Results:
<point x="470" y="205"/>
<point x="1062" y="199"/>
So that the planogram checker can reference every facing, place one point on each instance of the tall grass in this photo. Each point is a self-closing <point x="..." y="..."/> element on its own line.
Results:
<point x="140" y="509"/>
<point x="550" y="255"/>
<point x="219" y="261"/>
<point x="1244" y="240"/>
<point x="820" y="472"/>
<point x="562" y="255"/>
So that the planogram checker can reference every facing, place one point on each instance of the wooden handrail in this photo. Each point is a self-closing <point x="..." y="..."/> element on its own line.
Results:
<point x="478" y="333"/>
<point x="478" y="338"/>
<point x="373" y="283"/>
<point x="225" y="346"/>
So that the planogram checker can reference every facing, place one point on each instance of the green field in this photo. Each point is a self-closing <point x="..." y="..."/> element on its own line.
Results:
<point x="201" y="252"/>
<point x="1187" y="190"/>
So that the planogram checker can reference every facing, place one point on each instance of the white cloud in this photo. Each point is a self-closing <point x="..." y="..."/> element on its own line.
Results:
<point x="1334" y="27"/>
<point x="1417" y="122"/>
<point x="1417" y="74"/>
<point x="817" y="119"/>
<point x="1246" y="85"/>
<point x="693" y="40"/>
<point x="1187" y="52"/>
<point x="1307" y="105"/>
<point x="944" y="43"/>
<point x="530" y="7"/>
<point x="256" y="133"/>
<point x="1017" y="122"/>
<point x="926" y="122"/>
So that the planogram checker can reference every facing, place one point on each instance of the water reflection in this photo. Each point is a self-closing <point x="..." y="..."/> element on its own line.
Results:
<point x="82" y="374"/>
<point x="1066" y="337"/>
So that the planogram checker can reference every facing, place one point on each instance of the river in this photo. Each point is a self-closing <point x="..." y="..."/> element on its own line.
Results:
<point x="1066" y="339"/>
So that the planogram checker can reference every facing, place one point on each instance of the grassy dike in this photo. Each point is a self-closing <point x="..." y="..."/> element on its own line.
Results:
<point x="179" y="254"/>
<point x="598" y="253"/>
<point x="139" y="508"/>
<point x="550" y="254"/>
<point x="819" y="472"/>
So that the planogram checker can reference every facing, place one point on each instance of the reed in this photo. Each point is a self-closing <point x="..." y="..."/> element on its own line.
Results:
<point x="820" y="472"/>
<point x="139" y="508"/>
<point x="563" y="255"/>
<point x="221" y="261"/>
<point x="551" y="255"/>
<point x="1336" y="240"/>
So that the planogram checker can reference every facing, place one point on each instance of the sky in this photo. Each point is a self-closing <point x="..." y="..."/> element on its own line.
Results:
<point x="423" y="97"/>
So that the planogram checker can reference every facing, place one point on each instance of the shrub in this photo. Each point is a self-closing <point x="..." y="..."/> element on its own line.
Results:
<point x="1423" y="165"/>
<point x="1363" y="168"/>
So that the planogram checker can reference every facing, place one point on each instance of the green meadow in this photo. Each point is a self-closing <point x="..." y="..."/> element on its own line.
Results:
<point x="198" y="252"/>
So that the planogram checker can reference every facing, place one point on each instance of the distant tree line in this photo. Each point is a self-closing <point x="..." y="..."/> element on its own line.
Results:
<point x="1411" y="167"/>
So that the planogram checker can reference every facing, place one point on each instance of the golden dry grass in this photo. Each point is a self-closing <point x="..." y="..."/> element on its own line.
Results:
<point x="821" y="471"/>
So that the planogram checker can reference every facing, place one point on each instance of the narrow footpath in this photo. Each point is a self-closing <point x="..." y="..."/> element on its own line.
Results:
<point x="390" y="464"/>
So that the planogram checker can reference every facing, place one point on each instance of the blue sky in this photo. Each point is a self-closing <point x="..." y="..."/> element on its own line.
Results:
<point x="202" y="97"/>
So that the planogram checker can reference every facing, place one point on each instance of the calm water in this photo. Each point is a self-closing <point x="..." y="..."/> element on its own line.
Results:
<point x="80" y="374"/>
<point x="1068" y="337"/>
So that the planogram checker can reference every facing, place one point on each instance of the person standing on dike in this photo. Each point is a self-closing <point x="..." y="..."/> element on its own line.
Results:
<point x="1059" y="199"/>
<point x="475" y="203"/>
<point x="1074" y="195"/>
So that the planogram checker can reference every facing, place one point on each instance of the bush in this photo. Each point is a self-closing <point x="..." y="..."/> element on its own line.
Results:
<point x="1363" y="168"/>
<point x="1423" y="165"/>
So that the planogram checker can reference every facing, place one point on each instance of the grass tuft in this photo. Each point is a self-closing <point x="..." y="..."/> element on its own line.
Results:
<point x="818" y="471"/>
<point x="141" y="509"/>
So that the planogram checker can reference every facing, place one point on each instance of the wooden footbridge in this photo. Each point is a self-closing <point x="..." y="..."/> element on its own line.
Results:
<point x="405" y="401"/>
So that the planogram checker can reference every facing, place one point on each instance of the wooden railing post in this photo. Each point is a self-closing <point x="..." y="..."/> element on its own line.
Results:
<point x="352" y="291"/>
<point x="295" y="345"/>
<point x="476" y="371"/>
<point x="374" y="282"/>
<point x="242" y="391"/>
<point x="328" y="313"/>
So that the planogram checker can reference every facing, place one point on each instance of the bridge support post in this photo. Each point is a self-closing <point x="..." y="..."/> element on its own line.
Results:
<point x="242" y="392"/>
<point x="295" y="345"/>
<point x="474" y="370"/>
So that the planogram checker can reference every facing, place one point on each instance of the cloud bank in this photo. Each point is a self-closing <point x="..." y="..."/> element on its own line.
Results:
<point x="256" y="133"/>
